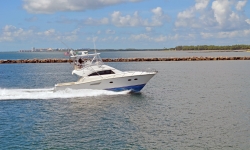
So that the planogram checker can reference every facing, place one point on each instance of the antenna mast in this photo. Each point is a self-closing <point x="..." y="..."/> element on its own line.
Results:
<point x="94" y="45"/>
<point x="60" y="40"/>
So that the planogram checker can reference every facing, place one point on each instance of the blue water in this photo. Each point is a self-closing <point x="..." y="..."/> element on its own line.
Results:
<point x="31" y="55"/>
<point x="122" y="54"/>
<point x="187" y="105"/>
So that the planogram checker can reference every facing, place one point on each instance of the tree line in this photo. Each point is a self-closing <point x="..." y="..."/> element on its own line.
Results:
<point x="212" y="47"/>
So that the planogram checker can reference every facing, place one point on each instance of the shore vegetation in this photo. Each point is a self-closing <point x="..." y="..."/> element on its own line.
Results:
<point x="211" y="47"/>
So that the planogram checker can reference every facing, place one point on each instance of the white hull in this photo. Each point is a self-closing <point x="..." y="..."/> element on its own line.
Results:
<point x="133" y="81"/>
<point x="94" y="74"/>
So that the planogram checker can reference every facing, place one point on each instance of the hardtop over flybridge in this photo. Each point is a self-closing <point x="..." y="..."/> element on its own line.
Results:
<point x="94" y="74"/>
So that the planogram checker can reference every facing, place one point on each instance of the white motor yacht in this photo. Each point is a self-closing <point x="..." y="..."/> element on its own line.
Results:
<point x="94" y="74"/>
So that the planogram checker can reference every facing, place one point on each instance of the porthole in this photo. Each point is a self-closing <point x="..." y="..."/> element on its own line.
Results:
<point x="129" y="79"/>
<point x="111" y="82"/>
<point x="135" y="79"/>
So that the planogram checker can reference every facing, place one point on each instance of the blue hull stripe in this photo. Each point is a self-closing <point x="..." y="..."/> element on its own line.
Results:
<point x="133" y="88"/>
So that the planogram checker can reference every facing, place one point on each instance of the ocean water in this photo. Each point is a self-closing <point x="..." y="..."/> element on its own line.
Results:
<point x="123" y="54"/>
<point x="187" y="105"/>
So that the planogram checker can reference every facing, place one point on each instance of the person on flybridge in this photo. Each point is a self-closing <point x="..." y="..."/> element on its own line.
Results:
<point x="79" y="62"/>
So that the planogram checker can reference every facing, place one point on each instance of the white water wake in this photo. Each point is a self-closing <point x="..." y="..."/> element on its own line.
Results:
<point x="12" y="94"/>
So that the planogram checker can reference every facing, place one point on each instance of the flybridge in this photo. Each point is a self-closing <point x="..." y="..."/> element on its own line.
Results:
<point x="82" y="60"/>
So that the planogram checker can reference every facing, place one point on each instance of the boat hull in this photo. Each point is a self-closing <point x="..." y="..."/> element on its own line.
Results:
<point x="133" y="88"/>
<point x="134" y="83"/>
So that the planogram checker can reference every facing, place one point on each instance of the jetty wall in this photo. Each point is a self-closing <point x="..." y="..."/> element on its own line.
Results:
<point x="58" y="60"/>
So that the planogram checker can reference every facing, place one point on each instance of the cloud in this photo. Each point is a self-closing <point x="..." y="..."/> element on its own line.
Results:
<point x="52" y="34"/>
<point x="143" y="37"/>
<point x="92" y="39"/>
<point x="201" y="4"/>
<point x="99" y="32"/>
<point x="151" y="38"/>
<point x="65" y="20"/>
<point x="185" y="18"/>
<point x="109" y="31"/>
<point x="157" y="11"/>
<point x="128" y="20"/>
<point x="248" y="21"/>
<point x="87" y="21"/>
<point x="160" y="38"/>
<point x="226" y="35"/>
<point x="107" y="39"/>
<point x="11" y="33"/>
<point x="158" y="18"/>
<point x="91" y="21"/>
<point x="221" y="15"/>
<point x="221" y="10"/>
<point x="188" y="17"/>
<point x="206" y="35"/>
<point x="241" y="4"/>
<point x="116" y="38"/>
<point x="149" y="29"/>
<point x="139" y="37"/>
<point x="51" y="6"/>
<point x="31" y="19"/>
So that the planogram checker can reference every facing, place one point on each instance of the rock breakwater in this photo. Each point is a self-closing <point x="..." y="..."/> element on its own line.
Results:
<point x="56" y="60"/>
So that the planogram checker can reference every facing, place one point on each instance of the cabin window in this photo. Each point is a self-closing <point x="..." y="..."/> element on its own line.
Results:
<point x="104" y="72"/>
<point x="129" y="79"/>
<point x="111" y="82"/>
<point x="135" y="79"/>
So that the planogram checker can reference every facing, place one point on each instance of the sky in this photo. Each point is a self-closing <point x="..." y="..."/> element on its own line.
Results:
<point x="122" y="24"/>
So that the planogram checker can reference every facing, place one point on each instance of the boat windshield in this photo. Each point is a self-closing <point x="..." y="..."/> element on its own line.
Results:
<point x="103" y="72"/>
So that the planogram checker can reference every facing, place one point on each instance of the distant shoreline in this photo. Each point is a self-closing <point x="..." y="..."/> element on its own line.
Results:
<point x="206" y="51"/>
<point x="135" y="50"/>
